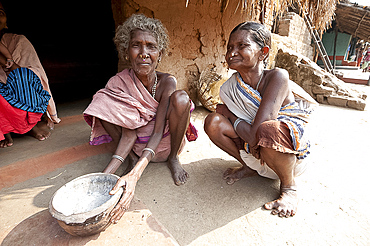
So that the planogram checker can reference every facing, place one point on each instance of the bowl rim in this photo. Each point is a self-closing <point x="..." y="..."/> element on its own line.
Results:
<point x="82" y="217"/>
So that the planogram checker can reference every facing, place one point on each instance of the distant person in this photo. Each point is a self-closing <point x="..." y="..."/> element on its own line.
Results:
<point x="261" y="123"/>
<point x="24" y="55"/>
<point x="140" y="109"/>
<point x="360" y="55"/>
<point x="365" y="65"/>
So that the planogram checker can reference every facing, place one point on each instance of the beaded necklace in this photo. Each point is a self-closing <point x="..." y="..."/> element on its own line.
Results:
<point x="154" y="88"/>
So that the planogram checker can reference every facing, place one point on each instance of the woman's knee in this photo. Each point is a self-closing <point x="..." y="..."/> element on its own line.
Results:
<point x="180" y="100"/>
<point x="128" y="133"/>
<point x="212" y="124"/>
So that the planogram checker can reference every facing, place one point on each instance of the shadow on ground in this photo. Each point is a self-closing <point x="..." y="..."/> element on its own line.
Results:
<point x="205" y="203"/>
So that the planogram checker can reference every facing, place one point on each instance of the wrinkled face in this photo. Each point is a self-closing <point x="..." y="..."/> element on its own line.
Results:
<point x="2" y="18"/>
<point x="242" y="52"/>
<point x="143" y="52"/>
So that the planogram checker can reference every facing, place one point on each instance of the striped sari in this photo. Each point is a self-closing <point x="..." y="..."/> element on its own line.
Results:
<point x="244" y="101"/>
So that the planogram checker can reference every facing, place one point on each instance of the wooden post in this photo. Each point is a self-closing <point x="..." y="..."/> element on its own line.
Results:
<point x="335" y="46"/>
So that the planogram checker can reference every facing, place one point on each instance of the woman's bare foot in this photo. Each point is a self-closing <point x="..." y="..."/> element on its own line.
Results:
<point x="7" y="142"/>
<point x="287" y="204"/>
<point x="50" y="121"/>
<point x="179" y="175"/>
<point x="38" y="133"/>
<point x="231" y="175"/>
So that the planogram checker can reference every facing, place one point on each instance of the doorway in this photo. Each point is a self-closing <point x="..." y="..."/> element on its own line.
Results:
<point x="73" y="39"/>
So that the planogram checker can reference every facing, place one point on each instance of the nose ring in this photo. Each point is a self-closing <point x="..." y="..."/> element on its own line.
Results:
<point x="144" y="56"/>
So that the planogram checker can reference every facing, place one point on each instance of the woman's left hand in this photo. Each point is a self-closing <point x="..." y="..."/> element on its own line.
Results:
<point x="128" y="182"/>
<point x="9" y="63"/>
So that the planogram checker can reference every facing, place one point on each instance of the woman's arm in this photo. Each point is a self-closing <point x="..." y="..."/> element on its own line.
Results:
<point x="275" y="94"/>
<point x="167" y="87"/>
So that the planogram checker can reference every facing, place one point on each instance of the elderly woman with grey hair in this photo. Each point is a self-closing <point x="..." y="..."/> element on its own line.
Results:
<point x="140" y="109"/>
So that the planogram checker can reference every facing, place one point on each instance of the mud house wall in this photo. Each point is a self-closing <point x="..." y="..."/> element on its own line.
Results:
<point x="198" y="33"/>
<point x="292" y="34"/>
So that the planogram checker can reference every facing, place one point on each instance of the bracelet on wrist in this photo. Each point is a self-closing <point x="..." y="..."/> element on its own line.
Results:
<point x="236" y="123"/>
<point x="150" y="150"/>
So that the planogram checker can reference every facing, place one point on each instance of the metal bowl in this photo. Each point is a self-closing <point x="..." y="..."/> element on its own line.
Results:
<point x="83" y="205"/>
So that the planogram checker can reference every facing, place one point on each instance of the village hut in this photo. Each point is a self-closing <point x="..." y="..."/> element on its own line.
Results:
<point x="199" y="31"/>
<point x="349" y="32"/>
<point x="353" y="19"/>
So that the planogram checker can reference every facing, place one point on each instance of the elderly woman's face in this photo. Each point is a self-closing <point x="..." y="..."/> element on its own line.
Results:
<point x="143" y="52"/>
<point x="2" y="17"/>
<point x="242" y="51"/>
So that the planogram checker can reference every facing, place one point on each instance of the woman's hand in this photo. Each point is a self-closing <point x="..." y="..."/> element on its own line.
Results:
<point x="128" y="182"/>
<point x="9" y="63"/>
<point x="222" y="109"/>
<point x="255" y="151"/>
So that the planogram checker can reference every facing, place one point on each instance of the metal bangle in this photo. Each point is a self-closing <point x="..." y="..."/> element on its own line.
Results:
<point x="118" y="158"/>
<point x="236" y="122"/>
<point x="150" y="150"/>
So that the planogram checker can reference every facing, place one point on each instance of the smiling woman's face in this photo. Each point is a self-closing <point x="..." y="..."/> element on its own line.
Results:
<point x="242" y="51"/>
<point x="143" y="52"/>
<point x="2" y="17"/>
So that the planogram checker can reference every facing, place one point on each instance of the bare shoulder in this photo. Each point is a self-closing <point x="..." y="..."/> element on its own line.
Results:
<point x="277" y="75"/>
<point x="276" y="81"/>
<point x="166" y="84"/>
<point x="167" y="79"/>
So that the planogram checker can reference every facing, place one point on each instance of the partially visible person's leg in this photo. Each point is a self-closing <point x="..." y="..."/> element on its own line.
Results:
<point x="39" y="133"/>
<point x="222" y="134"/>
<point x="7" y="142"/>
<point x="124" y="140"/>
<point x="283" y="165"/>
<point x="276" y="149"/>
<point x="178" y="115"/>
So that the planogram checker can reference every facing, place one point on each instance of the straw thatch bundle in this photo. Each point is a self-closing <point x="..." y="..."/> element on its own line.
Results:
<point x="207" y="81"/>
<point x="353" y="19"/>
<point x="321" y="12"/>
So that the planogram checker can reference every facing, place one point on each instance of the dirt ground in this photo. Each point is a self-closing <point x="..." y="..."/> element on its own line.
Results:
<point x="333" y="191"/>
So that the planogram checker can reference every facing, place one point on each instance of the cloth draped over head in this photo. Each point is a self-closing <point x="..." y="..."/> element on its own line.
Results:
<point x="127" y="103"/>
<point x="24" y="54"/>
<point x="243" y="101"/>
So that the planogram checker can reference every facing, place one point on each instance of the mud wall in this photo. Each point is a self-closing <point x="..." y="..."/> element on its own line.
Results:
<point x="198" y="33"/>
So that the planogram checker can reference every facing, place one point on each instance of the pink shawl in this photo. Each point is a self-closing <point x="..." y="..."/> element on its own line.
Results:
<point x="126" y="102"/>
<point x="25" y="55"/>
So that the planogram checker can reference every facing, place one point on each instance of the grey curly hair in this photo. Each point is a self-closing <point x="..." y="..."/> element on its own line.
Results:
<point x="141" y="22"/>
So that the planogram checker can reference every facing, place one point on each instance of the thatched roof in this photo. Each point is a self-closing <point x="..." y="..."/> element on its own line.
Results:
<point x="353" y="19"/>
<point x="321" y="12"/>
